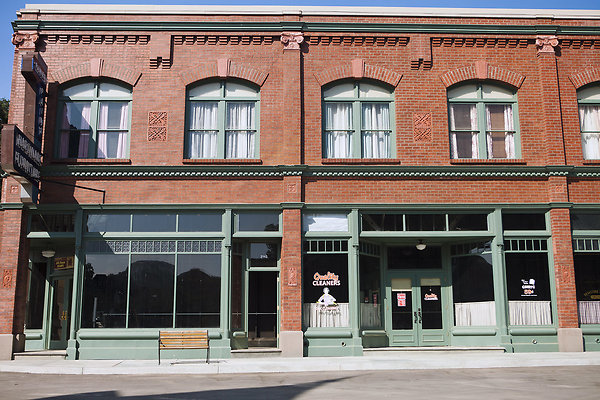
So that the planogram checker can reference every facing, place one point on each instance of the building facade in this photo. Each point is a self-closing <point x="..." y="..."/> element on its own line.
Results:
<point x="319" y="181"/>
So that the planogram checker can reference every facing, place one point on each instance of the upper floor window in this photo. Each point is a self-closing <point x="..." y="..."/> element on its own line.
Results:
<point x="589" y="120"/>
<point x="222" y="120"/>
<point x="94" y="121"/>
<point x="483" y="121"/>
<point x="357" y="121"/>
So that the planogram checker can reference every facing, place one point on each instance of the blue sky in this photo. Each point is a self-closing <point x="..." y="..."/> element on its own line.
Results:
<point x="8" y="10"/>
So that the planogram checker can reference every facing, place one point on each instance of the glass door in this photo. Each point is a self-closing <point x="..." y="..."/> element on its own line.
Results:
<point x="60" y="312"/>
<point x="262" y="309"/>
<point x="415" y="310"/>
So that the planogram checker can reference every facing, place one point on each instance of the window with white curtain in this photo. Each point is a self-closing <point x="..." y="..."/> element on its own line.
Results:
<point x="483" y="121"/>
<point x="222" y="120"/>
<point x="589" y="121"/>
<point x="94" y="121"/>
<point x="357" y="120"/>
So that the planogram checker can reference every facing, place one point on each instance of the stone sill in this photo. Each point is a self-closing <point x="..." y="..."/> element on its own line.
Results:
<point x="360" y="161"/>
<point x="591" y="162"/>
<point x="488" y="161"/>
<point x="222" y="161"/>
<point x="92" y="161"/>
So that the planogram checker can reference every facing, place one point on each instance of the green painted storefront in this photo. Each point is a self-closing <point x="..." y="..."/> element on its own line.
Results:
<point x="218" y="268"/>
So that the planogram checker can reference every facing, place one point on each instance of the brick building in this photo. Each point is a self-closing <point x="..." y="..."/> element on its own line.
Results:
<point x="322" y="181"/>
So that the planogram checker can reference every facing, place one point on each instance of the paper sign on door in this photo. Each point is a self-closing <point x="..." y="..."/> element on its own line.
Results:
<point x="401" y="299"/>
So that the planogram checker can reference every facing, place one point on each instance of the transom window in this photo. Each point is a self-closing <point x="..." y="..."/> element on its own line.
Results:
<point x="222" y="120"/>
<point x="357" y="121"/>
<point x="483" y="121"/>
<point x="589" y="120"/>
<point x="94" y="121"/>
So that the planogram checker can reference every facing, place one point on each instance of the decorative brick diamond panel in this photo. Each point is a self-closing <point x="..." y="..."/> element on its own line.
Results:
<point x="422" y="127"/>
<point x="157" y="126"/>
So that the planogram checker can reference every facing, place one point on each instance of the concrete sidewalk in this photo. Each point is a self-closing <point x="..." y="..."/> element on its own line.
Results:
<point x="396" y="361"/>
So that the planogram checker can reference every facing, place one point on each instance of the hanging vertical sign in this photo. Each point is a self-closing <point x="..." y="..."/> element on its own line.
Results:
<point x="35" y="71"/>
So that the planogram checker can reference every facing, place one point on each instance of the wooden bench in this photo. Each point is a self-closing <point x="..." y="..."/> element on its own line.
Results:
<point x="183" y="340"/>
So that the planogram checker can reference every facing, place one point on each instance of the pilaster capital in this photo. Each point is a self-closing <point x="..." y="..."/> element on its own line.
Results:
<point x="25" y="40"/>
<point x="292" y="40"/>
<point x="546" y="43"/>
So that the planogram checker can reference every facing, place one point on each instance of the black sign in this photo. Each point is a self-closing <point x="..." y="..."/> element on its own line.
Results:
<point x="35" y="71"/>
<point x="20" y="157"/>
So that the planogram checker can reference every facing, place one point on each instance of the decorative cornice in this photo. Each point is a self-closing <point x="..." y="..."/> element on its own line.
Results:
<point x="96" y="39"/>
<point x="480" y="42"/>
<point x="579" y="44"/>
<point x="364" y="171"/>
<point x="179" y="40"/>
<point x="377" y="41"/>
<point x="256" y="26"/>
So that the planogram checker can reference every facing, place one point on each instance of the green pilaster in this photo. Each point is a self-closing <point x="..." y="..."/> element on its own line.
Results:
<point x="499" y="274"/>
<point x="353" y="286"/>
<point x="77" y="295"/>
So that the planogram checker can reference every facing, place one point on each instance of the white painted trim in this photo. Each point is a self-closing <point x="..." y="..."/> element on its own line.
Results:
<point x="294" y="10"/>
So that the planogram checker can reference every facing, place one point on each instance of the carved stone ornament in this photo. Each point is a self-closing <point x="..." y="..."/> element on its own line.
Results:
<point x="292" y="40"/>
<point x="546" y="43"/>
<point x="25" y="40"/>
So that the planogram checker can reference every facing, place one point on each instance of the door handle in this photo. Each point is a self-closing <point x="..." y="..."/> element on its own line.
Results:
<point x="419" y="315"/>
<point x="416" y="318"/>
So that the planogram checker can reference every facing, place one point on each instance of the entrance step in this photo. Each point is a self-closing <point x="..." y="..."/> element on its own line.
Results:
<point x="382" y="351"/>
<point x="41" y="355"/>
<point x="256" y="352"/>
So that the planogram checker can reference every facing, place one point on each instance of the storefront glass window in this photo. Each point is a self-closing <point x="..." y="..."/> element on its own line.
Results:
<point x="473" y="290"/>
<point x="326" y="290"/>
<point x="108" y="222"/>
<point x="153" y="223"/>
<point x="200" y="222"/>
<point x="35" y="302"/>
<point x="585" y="222"/>
<point x="198" y="290"/>
<point x="382" y="222"/>
<point x="587" y="282"/>
<point x="105" y="291"/>
<point x="325" y="223"/>
<point x="258" y="221"/>
<point x="426" y="222"/>
<point x="370" y="292"/>
<point x="263" y="254"/>
<point x="467" y="222"/>
<point x="52" y="223"/>
<point x="237" y="288"/>
<point x="524" y="222"/>
<point x="151" y="290"/>
<point x="408" y="257"/>
<point x="528" y="285"/>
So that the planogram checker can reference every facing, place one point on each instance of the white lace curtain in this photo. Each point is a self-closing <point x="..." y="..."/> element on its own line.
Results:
<point x="319" y="315"/>
<point x="529" y="312"/>
<point x="589" y="117"/>
<point x="499" y="117"/>
<point x="76" y="117"/>
<point x="203" y="130"/>
<point x="338" y="130"/>
<point x="481" y="313"/>
<point x="463" y="117"/>
<point x="375" y="130"/>
<point x="589" y="312"/>
<point x="239" y="130"/>
<point x="113" y="144"/>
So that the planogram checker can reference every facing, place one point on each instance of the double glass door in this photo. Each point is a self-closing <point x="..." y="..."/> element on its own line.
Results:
<point x="416" y="309"/>
<point x="60" y="311"/>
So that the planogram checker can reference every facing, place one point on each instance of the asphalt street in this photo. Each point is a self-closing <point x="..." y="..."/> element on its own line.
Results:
<point x="548" y="383"/>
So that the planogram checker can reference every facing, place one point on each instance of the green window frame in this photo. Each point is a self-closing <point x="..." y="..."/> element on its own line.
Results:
<point x="483" y="122"/>
<point x="94" y="120"/>
<point x="222" y="120"/>
<point x="588" y="99"/>
<point x="358" y="120"/>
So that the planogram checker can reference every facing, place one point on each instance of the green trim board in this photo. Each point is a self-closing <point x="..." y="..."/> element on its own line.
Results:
<point x="254" y="26"/>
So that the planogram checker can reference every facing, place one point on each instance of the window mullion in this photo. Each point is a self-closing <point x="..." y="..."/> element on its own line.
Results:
<point x="221" y="126"/>
<point x="482" y="127"/>
<point x="94" y="120"/>
<point x="357" y="133"/>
